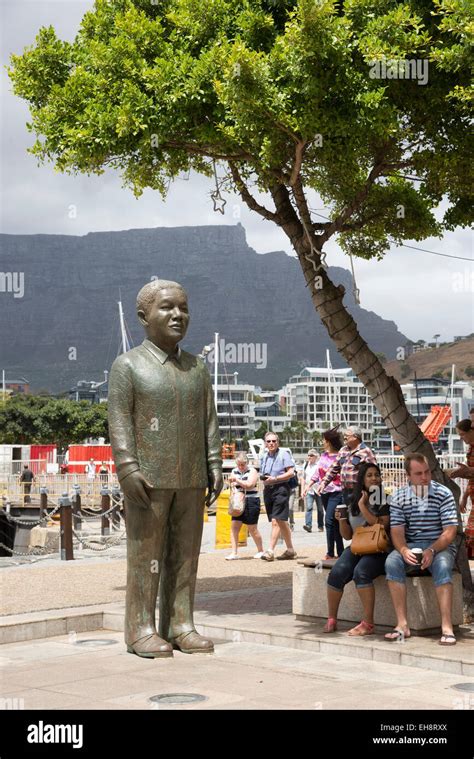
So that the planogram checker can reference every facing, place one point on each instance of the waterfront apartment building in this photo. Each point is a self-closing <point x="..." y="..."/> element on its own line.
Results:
<point x="271" y="413"/>
<point x="235" y="407"/>
<point x="321" y="398"/>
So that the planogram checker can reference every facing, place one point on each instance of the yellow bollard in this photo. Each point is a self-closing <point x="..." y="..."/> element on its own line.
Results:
<point x="223" y="522"/>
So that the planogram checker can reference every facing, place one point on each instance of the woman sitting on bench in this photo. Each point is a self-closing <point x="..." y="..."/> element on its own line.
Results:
<point x="367" y="507"/>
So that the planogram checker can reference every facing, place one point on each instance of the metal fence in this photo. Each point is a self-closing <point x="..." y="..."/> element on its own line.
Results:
<point x="56" y="485"/>
<point x="393" y="472"/>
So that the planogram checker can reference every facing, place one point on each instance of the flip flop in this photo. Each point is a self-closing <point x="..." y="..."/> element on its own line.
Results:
<point x="396" y="634"/>
<point x="449" y="640"/>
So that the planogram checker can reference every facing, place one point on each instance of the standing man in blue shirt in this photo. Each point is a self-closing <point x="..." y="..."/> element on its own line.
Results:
<point x="276" y="469"/>
<point x="423" y="517"/>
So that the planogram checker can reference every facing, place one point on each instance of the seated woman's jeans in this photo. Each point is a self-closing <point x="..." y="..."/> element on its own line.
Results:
<point x="362" y="569"/>
<point x="333" y="535"/>
<point x="441" y="568"/>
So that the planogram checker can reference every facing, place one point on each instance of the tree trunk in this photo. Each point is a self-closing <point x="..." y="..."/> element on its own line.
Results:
<point x="385" y="391"/>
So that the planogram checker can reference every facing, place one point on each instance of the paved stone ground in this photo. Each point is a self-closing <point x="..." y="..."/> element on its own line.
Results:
<point x="246" y="595"/>
<point x="57" y="674"/>
<point x="92" y="578"/>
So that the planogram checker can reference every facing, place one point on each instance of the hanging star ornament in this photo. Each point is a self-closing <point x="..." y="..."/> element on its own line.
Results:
<point x="219" y="202"/>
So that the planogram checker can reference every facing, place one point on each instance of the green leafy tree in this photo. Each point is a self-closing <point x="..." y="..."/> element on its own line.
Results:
<point x="261" y="430"/>
<point x="317" y="438"/>
<point x="405" y="370"/>
<point x="290" y="97"/>
<point x="33" y="419"/>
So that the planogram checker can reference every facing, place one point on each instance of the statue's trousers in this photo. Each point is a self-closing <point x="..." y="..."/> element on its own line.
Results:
<point x="163" y="545"/>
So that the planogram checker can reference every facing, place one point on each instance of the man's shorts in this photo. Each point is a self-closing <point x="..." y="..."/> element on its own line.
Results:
<point x="276" y="498"/>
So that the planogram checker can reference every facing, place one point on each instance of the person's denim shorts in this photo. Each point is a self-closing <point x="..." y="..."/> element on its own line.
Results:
<point x="441" y="568"/>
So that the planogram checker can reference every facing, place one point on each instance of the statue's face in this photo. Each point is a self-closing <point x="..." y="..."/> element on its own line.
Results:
<point x="168" y="318"/>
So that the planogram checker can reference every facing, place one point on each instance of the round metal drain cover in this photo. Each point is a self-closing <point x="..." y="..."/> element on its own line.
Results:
<point x="177" y="698"/>
<point x="96" y="642"/>
<point x="464" y="686"/>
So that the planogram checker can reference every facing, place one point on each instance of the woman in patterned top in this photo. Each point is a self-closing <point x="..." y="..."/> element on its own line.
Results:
<point x="332" y="494"/>
<point x="466" y="433"/>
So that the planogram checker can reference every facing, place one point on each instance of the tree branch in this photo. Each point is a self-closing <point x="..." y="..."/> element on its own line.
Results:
<point x="360" y="223"/>
<point x="288" y="218"/>
<point x="204" y="150"/>
<point x="301" y="203"/>
<point x="299" y="153"/>
<point x="282" y="127"/>
<point x="248" y="199"/>
<point x="337" y="224"/>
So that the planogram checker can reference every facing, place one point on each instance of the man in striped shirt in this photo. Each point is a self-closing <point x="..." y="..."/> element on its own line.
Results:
<point x="422" y="516"/>
<point x="352" y="453"/>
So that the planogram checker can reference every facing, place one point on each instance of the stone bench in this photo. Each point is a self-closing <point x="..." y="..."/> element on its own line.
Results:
<point x="310" y="600"/>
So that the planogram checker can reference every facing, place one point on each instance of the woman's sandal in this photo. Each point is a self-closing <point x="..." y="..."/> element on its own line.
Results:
<point x="447" y="640"/>
<point x="363" y="628"/>
<point x="397" y="634"/>
<point x="330" y="626"/>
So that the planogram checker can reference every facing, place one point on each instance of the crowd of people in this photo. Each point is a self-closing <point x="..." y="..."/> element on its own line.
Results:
<point x="344" y="485"/>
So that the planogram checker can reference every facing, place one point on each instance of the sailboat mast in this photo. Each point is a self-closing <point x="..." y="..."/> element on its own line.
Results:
<point x="453" y="406"/>
<point x="125" y="343"/>
<point x="216" y="365"/>
<point x="328" y="364"/>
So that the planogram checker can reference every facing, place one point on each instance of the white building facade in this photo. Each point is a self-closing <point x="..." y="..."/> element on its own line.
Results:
<point x="235" y="408"/>
<point x="320" y="398"/>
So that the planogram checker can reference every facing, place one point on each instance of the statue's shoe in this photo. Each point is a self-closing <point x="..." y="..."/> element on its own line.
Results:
<point x="193" y="643"/>
<point x="150" y="647"/>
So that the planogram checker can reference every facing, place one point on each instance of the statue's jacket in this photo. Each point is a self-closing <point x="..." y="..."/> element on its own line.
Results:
<point x="162" y="418"/>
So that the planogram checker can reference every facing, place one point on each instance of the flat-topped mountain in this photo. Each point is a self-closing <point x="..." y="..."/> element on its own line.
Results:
<point x="62" y="325"/>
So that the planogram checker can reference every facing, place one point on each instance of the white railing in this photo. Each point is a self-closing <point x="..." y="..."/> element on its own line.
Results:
<point x="394" y="476"/>
<point x="57" y="485"/>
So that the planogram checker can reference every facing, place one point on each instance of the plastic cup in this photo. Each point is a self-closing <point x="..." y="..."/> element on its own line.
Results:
<point x="419" y="554"/>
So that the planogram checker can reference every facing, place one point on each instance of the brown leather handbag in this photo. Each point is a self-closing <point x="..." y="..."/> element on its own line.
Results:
<point x="370" y="539"/>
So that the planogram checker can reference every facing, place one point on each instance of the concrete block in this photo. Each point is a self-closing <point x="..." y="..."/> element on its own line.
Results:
<point x="310" y="600"/>
<point x="387" y="656"/>
<point x="306" y="645"/>
<point x="56" y="627"/>
<point x="16" y="633"/>
<point x="449" y="666"/>
<point x="84" y="623"/>
<point x="44" y="537"/>
<point x="280" y="640"/>
<point x="113" y="621"/>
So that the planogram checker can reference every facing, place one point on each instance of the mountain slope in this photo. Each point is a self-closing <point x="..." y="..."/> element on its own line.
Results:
<point x="72" y="286"/>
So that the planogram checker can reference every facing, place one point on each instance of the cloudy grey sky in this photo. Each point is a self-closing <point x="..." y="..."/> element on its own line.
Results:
<point x="424" y="294"/>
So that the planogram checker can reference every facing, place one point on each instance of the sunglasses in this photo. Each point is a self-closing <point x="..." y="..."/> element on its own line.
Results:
<point x="271" y="441"/>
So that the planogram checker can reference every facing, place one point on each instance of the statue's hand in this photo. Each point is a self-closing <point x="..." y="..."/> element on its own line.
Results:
<point x="216" y="483"/>
<point x="135" y="488"/>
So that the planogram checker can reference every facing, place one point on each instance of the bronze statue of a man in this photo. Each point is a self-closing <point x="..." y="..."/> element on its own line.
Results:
<point x="165" y="441"/>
